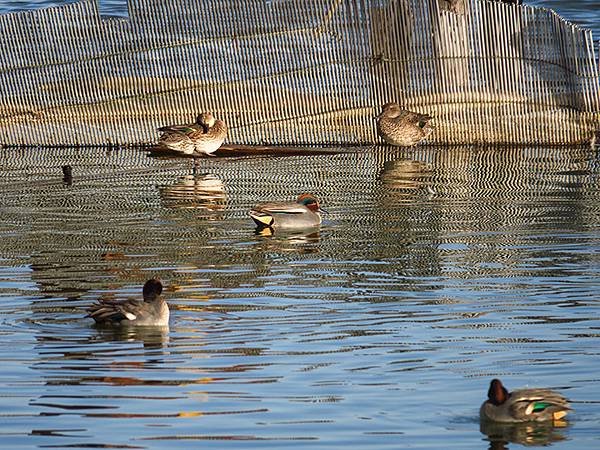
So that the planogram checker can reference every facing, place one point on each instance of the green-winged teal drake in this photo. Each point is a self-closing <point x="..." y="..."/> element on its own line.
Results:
<point x="202" y="137"/>
<point x="399" y="126"/>
<point x="152" y="310"/>
<point x="305" y="212"/>
<point x="523" y="405"/>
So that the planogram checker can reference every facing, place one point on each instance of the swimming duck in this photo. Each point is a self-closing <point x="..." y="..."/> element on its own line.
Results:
<point x="202" y="137"/>
<point x="151" y="311"/>
<point x="523" y="405"/>
<point x="304" y="213"/>
<point x="399" y="126"/>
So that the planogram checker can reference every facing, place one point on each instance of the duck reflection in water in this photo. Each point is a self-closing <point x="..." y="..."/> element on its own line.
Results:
<point x="289" y="241"/>
<point x="403" y="178"/>
<point x="198" y="191"/>
<point x="149" y="337"/>
<point x="529" y="434"/>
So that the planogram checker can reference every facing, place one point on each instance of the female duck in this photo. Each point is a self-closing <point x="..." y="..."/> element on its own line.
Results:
<point x="202" y="137"/>
<point x="398" y="126"/>
<point x="523" y="405"/>
<point x="151" y="311"/>
<point x="304" y="213"/>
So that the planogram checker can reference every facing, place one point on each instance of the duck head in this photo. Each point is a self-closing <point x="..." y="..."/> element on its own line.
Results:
<point x="390" y="110"/>
<point x="152" y="289"/>
<point x="206" y="119"/>
<point x="310" y="201"/>
<point x="497" y="394"/>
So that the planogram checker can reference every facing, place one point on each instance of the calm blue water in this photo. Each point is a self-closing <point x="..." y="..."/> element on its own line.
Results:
<point x="435" y="270"/>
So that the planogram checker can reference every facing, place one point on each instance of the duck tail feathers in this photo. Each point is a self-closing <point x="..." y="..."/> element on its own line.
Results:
<point x="261" y="219"/>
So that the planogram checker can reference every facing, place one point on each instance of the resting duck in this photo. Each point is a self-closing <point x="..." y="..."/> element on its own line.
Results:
<point x="523" y="405"/>
<point x="398" y="126"/>
<point x="304" y="213"/>
<point x="202" y="137"/>
<point x="151" y="311"/>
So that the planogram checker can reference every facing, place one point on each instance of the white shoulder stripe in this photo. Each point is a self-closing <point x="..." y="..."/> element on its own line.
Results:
<point x="287" y="210"/>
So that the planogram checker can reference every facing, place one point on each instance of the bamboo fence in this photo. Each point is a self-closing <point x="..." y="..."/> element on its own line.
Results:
<point x="296" y="71"/>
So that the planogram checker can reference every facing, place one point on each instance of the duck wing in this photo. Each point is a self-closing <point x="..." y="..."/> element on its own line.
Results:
<point x="263" y="215"/>
<point x="115" y="311"/>
<point x="538" y="405"/>
<point x="415" y="118"/>
<point x="182" y="129"/>
<point x="280" y="208"/>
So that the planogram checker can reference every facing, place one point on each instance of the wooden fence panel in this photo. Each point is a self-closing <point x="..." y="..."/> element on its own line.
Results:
<point x="296" y="71"/>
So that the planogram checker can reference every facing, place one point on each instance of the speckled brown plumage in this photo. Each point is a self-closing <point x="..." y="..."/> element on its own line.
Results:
<point x="401" y="127"/>
<point x="202" y="137"/>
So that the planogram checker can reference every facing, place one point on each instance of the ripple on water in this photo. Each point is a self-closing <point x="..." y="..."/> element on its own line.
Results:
<point x="435" y="270"/>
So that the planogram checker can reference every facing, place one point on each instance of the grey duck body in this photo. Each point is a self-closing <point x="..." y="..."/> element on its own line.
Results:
<point x="304" y="213"/>
<point x="523" y="405"/>
<point x="151" y="310"/>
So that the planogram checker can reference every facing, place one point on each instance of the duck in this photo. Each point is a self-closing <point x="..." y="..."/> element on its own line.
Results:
<point x="203" y="137"/>
<point x="401" y="127"/>
<point x="151" y="310"/>
<point x="305" y="212"/>
<point x="523" y="405"/>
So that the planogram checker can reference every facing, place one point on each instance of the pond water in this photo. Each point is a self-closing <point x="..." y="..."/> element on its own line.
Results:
<point x="435" y="270"/>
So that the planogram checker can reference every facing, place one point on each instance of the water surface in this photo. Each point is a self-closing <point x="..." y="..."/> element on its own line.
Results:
<point x="435" y="270"/>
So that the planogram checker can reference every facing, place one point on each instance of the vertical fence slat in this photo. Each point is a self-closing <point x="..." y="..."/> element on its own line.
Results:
<point x="297" y="71"/>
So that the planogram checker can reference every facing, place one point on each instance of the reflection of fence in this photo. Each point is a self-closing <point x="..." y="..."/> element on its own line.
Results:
<point x="127" y="216"/>
<point x="296" y="71"/>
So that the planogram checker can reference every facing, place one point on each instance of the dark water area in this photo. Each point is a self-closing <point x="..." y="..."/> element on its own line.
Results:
<point x="435" y="270"/>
